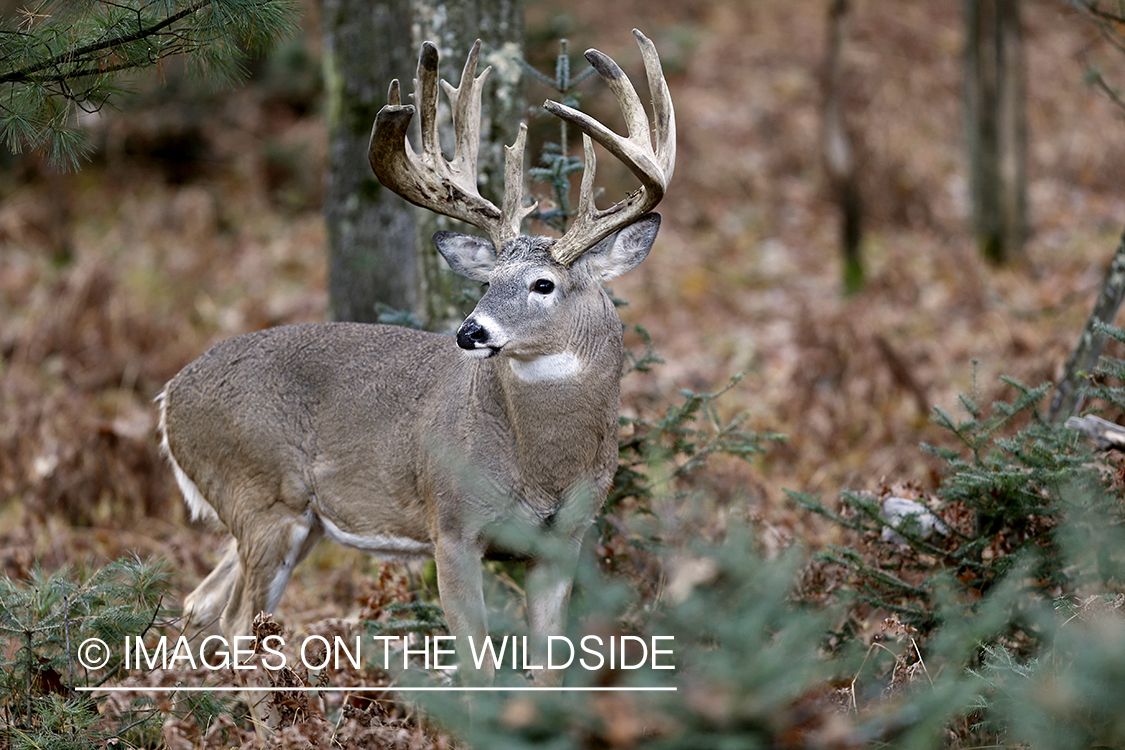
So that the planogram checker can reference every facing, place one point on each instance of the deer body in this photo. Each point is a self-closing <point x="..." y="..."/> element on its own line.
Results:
<point x="406" y="443"/>
<point x="500" y="441"/>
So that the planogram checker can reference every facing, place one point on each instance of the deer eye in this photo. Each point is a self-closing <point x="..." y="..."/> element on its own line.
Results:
<point x="542" y="286"/>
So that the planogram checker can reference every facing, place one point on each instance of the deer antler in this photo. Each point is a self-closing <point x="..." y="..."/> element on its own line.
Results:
<point x="450" y="187"/>
<point x="652" y="166"/>
<point x="427" y="179"/>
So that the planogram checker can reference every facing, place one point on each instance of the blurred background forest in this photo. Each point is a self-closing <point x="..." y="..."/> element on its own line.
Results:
<point x="198" y="216"/>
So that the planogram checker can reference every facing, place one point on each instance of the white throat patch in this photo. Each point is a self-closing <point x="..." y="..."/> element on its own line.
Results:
<point x="546" y="368"/>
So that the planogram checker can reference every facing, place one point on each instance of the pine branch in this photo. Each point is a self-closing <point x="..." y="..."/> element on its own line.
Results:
<point x="52" y="66"/>
<point x="27" y="75"/>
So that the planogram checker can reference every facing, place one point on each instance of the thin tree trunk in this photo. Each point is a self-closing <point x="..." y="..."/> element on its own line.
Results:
<point x="1068" y="397"/>
<point x="995" y="125"/>
<point x="839" y="152"/>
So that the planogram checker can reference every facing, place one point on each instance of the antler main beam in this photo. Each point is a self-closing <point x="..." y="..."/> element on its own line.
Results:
<point x="652" y="166"/>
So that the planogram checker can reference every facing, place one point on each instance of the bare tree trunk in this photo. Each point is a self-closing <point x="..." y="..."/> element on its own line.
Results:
<point x="380" y="251"/>
<point x="372" y="233"/>
<point x="839" y="152"/>
<point x="995" y="125"/>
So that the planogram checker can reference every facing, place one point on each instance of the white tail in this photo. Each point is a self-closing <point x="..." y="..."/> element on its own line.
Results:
<point x="406" y="443"/>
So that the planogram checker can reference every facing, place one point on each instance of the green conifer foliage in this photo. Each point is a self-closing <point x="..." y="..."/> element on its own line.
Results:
<point x="49" y="624"/>
<point x="59" y="58"/>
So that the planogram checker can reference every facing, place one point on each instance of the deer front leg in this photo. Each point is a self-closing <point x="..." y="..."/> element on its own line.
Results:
<point x="462" y="598"/>
<point x="548" y="585"/>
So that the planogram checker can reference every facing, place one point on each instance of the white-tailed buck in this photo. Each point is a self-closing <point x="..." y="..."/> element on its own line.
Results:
<point x="406" y="443"/>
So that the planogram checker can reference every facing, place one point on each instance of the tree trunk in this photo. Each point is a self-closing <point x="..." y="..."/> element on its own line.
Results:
<point x="379" y="247"/>
<point x="839" y="152"/>
<point x="995" y="126"/>
<point x="372" y="233"/>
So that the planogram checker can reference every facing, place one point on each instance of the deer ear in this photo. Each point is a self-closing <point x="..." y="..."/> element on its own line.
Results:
<point x="472" y="257"/>
<point x="623" y="250"/>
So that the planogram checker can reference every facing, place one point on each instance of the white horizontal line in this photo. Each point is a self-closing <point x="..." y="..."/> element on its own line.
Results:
<point x="331" y="689"/>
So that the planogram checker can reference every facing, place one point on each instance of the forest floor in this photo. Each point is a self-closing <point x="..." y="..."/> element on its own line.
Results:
<point x="199" y="218"/>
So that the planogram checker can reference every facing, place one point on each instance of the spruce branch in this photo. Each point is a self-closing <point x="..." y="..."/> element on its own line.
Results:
<point x="558" y="165"/>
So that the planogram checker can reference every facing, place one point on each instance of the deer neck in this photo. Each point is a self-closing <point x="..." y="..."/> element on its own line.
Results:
<point x="562" y="406"/>
<point x="581" y="363"/>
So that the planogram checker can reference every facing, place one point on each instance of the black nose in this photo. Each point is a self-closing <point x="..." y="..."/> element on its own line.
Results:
<point x="471" y="335"/>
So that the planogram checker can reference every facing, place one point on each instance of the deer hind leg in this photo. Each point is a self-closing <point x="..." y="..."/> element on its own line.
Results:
<point x="204" y="606"/>
<point x="266" y="557"/>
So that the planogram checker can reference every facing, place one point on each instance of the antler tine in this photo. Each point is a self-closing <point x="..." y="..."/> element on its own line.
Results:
<point x="425" y="98"/>
<point x="465" y="100"/>
<point x="662" y="110"/>
<point x="513" y="211"/>
<point x="427" y="179"/>
<point x="652" y="166"/>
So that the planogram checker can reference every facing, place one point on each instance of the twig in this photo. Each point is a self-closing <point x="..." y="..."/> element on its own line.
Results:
<point x="1068" y="397"/>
